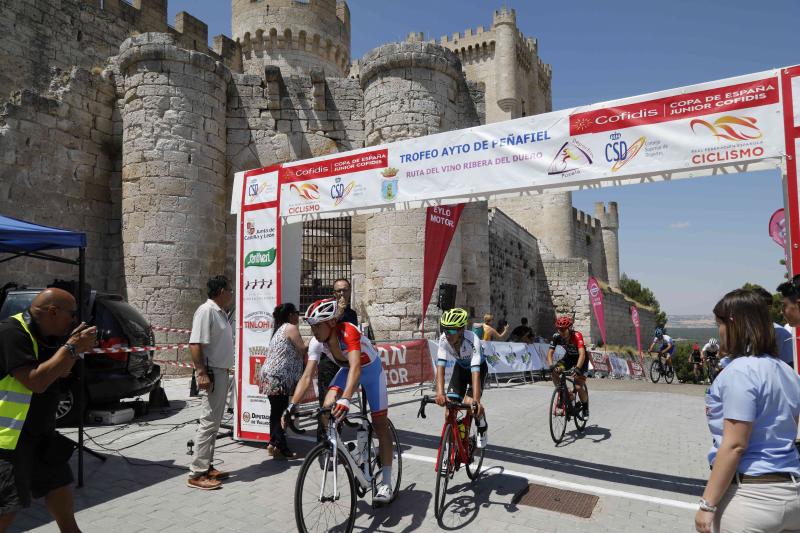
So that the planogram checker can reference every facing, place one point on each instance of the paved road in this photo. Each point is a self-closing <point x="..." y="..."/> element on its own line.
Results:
<point x="642" y="454"/>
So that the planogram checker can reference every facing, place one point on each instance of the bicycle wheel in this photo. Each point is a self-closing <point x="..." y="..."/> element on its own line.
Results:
<point x="444" y="470"/>
<point x="580" y="422"/>
<point x="669" y="375"/>
<point x="335" y="510"/>
<point x="475" y="453"/>
<point x="655" y="372"/>
<point x="397" y="458"/>
<point x="558" y="416"/>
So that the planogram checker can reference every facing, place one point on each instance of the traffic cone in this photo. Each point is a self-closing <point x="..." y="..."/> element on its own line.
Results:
<point x="193" y="391"/>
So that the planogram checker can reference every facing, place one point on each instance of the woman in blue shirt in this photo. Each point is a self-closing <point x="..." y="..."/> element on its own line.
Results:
<point x="752" y="410"/>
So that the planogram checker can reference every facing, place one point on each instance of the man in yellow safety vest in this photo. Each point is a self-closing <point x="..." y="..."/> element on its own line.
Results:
<point x="33" y="355"/>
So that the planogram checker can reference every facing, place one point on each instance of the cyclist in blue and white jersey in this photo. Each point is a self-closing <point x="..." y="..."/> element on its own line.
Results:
<point x="470" y="370"/>
<point x="667" y="346"/>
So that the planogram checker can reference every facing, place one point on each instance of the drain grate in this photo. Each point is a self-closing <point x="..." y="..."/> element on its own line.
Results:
<point x="560" y="501"/>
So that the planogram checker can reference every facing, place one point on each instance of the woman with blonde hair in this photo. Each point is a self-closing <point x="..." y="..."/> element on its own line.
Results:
<point x="491" y="334"/>
<point x="752" y="410"/>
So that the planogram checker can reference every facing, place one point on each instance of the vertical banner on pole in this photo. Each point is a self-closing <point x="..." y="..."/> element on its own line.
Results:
<point x="777" y="230"/>
<point x="440" y="226"/>
<point x="790" y="93"/>
<point x="635" y="319"/>
<point x="258" y="292"/>
<point x="596" y="297"/>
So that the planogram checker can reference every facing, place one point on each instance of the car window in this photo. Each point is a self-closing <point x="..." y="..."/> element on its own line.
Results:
<point x="16" y="303"/>
<point x="118" y="319"/>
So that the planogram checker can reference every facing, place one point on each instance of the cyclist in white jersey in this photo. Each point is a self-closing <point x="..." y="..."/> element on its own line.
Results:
<point x="469" y="371"/>
<point x="359" y="364"/>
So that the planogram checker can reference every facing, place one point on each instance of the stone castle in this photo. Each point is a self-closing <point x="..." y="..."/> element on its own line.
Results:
<point x="119" y="125"/>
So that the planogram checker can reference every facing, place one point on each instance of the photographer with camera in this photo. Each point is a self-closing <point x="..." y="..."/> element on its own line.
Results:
<point x="34" y="458"/>
<point x="211" y="346"/>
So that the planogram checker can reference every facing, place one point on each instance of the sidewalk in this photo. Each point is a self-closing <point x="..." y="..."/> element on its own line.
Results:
<point x="643" y="455"/>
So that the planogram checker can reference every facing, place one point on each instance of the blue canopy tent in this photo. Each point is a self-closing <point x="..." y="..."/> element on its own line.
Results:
<point x="25" y="239"/>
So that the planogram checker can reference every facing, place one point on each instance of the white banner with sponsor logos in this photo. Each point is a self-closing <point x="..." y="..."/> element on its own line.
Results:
<point x="681" y="132"/>
<point x="257" y="294"/>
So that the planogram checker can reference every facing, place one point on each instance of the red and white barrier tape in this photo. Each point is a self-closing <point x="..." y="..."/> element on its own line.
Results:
<point x="174" y="363"/>
<point x="124" y="349"/>
<point x="170" y="330"/>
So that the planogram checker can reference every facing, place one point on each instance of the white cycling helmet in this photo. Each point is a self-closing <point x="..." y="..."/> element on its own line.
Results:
<point x="713" y="342"/>
<point x="321" y="310"/>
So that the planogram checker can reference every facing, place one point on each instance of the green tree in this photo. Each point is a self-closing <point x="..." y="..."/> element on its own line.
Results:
<point x="635" y="291"/>
<point x="777" y="303"/>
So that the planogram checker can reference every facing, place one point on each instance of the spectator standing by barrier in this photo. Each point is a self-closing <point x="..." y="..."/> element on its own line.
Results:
<point x="491" y="334"/>
<point x="280" y="373"/>
<point x="33" y="456"/>
<point x="327" y="369"/>
<point x="522" y="333"/>
<point x="752" y="409"/>
<point x="211" y="346"/>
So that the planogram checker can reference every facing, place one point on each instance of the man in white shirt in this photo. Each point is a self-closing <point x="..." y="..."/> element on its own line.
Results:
<point x="211" y="346"/>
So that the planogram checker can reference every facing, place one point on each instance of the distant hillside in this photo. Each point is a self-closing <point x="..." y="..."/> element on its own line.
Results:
<point x="690" y="321"/>
<point x="700" y="335"/>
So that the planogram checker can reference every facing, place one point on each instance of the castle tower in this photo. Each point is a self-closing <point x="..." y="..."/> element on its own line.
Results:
<point x="296" y="36"/>
<point x="427" y="76"/>
<point x="173" y="175"/>
<point x="504" y="26"/>
<point x="609" y="223"/>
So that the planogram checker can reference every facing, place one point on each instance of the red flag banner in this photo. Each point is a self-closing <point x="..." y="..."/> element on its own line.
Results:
<point x="596" y="297"/>
<point x="635" y="320"/>
<point x="777" y="230"/>
<point x="440" y="225"/>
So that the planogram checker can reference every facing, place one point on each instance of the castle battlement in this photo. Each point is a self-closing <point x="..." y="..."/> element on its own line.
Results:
<point x="301" y="35"/>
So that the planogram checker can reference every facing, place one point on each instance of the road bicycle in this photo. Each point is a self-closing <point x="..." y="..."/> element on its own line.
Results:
<point x="458" y="446"/>
<point x="712" y="368"/>
<point x="563" y="407"/>
<point x="334" y="473"/>
<point x="658" y="369"/>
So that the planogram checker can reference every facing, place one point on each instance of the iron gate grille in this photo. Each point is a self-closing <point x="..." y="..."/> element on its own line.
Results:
<point x="327" y="256"/>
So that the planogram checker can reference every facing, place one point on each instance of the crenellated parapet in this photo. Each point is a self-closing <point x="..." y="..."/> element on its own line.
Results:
<point x="296" y="36"/>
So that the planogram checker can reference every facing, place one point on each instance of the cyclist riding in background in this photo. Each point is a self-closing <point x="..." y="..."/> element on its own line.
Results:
<point x="697" y="361"/>
<point x="359" y="364"/>
<point x="711" y="352"/>
<point x="575" y="357"/>
<point x="667" y="346"/>
<point x="470" y="369"/>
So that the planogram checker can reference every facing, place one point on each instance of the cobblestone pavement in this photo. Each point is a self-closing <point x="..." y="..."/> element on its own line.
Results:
<point x="643" y="455"/>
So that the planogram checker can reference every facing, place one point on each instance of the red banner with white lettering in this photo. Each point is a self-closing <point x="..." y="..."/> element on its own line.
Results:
<point x="600" y="362"/>
<point x="596" y="297"/>
<point x="440" y="225"/>
<point x="636" y="369"/>
<point x="635" y="320"/>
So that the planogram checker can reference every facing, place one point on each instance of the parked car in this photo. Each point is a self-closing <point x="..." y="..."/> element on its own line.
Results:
<point x="109" y="377"/>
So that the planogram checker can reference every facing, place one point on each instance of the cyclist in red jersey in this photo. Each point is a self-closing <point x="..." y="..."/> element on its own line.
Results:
<point x="575" y="357"/>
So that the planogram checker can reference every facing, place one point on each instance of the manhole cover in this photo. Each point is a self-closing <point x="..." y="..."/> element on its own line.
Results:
<point x="561" y="501"/>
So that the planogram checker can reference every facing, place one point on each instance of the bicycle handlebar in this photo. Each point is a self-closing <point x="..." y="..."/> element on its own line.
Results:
<point x="450" y="404"/>
<point x="316" y="413"/>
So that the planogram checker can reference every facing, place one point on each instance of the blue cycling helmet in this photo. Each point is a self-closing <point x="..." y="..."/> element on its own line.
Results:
<point x="659" y="332"/>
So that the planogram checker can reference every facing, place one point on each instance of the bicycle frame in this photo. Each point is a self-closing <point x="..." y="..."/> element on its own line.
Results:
<point x="453" y="409"/>
<point x="570" y="395"/>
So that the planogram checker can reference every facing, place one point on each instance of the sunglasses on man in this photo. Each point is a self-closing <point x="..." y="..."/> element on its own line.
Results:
<point x="452" y="331"/>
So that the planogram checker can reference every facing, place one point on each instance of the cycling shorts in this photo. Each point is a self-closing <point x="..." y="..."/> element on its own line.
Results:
<point x="461" y="381"/>
<point x="373" y="379"/>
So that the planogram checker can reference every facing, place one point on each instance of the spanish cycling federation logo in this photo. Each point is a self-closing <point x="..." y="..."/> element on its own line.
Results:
<point x="571" y="157"/>
<point x="306" y="191"/>
<point x="729" y="128"/>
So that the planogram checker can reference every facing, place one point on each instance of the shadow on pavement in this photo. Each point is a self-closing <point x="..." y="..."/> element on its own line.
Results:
<point x="587" y="469"/>
<point x="464" y="499"/>
<point x="409" y="501"/>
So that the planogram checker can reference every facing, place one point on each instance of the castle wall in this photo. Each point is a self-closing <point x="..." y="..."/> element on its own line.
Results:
<point x="589" y="244"/>
<point x="57" y="161"/>
<point x="619" y="326"/>
<point x="514" y="269"/>
<point x="173" y="175"/>
<point x="564" y="293"/>
<point x="39" y="35"/>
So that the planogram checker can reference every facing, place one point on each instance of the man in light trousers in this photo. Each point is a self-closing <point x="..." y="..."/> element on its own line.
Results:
<point x="211" y="346"/>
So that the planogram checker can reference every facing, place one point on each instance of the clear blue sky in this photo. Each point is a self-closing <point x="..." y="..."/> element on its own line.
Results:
<point x="690" y="241"/>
